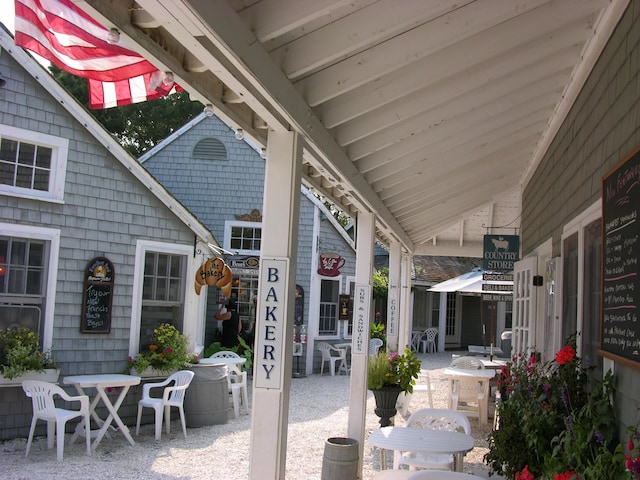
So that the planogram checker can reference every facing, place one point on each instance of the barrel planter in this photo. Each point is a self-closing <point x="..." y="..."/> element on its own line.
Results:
<point x="340" y="461"/>
<point x="207" y="399"/>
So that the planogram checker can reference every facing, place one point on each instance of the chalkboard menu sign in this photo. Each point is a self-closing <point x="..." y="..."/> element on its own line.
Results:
<point x="620" y="322"/>
<point x="97" y="296"/>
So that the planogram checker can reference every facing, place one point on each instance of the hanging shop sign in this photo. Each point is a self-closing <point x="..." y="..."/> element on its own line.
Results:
<point x="214" y="273"/>
<point x="330" y="264"/>
<point x="500" y="252"/>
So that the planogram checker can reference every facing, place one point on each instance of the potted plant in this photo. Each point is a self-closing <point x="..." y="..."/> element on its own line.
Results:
<point x="22" y="359"/>
<point x="389" y="374"/>
<point x="167" y="353"/>
<point x="556" y="421"/>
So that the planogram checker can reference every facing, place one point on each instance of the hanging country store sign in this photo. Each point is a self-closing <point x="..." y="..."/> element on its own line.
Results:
<point x="500" y="252"/>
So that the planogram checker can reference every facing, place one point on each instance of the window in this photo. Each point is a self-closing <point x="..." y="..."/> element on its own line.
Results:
<point x="450" y="325"/>
<point x="582" y="284"/>
<point x="32" y="164"/>
<point x="243" y="237"/>
<point x="329" y="296"/>
<point x="592" y="293"/>
<point x="245" y="290"/>
<point x="28" y="266"/>
<point x="347" y="327"/>
<point x="162" y="293"/>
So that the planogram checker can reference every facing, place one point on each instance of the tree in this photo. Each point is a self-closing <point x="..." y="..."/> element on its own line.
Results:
<point x="140" y="126"/>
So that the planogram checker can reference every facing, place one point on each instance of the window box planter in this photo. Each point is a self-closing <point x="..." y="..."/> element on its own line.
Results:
<point x="48" y="375"/>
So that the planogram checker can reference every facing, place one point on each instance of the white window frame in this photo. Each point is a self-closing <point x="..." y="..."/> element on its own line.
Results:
<point x="344" y="329"/>
<point x="577" y="225"/>
<point x="339" y="328"/>
<point x="193" y="311"/>
<point x="53" y="237"/>
<point x="59" y="153"/>
<point x="228" y="225"/>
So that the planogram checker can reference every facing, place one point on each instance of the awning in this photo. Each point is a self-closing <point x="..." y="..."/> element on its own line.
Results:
<point x="455" y="284"/>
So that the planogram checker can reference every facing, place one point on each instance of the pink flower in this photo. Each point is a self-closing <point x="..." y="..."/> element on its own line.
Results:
<point x="525" y="474"/>
<point x="392" y="356"/>
<point x="169" y="351"/>
<point x="565" y="355"/>
<point x="564" y="476"/>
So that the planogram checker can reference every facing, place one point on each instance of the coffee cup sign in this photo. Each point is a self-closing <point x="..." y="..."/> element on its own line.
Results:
<point x="330" y="264"/>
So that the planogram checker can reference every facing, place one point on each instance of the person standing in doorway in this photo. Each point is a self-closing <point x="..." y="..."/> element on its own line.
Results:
<point x="231" y="325"/>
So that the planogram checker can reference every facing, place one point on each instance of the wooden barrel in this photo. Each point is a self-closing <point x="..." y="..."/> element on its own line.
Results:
<point x="340" y="461"/>
<point x="206" y="401"/>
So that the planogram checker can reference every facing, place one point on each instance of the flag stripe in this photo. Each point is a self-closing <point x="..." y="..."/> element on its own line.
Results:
<point x="66" y="36"/>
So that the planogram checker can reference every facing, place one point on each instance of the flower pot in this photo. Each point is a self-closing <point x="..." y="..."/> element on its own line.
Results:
<point x="386" y="399"/>
<point x="151" y="373"/>
<point x="48" y="375"/>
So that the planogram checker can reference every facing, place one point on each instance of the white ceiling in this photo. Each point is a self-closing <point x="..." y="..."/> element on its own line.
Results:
<point x="431" y="113"/>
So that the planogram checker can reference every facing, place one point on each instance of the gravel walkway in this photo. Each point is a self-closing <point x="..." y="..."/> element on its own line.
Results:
<point x="318" y="410"/>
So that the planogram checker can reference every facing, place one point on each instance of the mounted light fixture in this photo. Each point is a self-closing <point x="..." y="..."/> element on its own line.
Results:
<point x="263" y="153"/>
<point x="239" y="134"/>
<point x="168" y="79"/>
<point x="113" y="36"/>
<point x="208" y="110"/>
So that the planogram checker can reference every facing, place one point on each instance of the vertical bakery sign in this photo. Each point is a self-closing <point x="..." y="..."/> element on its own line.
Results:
<point x="97" y="296"/>
<point x="620" y="327"/>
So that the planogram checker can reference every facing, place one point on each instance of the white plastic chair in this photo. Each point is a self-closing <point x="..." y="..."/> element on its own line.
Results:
<point x="172" y="396"/>
<point x="428" y="340"/>
<point x="374" y="346"/>
<point x="431" y="475"/>
<point x="237" y="381"/>
<point x="42" y="397"/>
<point x="423" y="384"/>
<point x="467" y="394"/>
<point x="433" y="419"/>
<point x="328" y="351"/>
<point x="467" y="363"/>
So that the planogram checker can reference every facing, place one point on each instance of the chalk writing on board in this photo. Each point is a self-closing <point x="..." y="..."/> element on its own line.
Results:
<point x="621" y="285"/>
<point x="97" y="296"/>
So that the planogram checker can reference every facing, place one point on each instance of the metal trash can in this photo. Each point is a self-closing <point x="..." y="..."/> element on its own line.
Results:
<point x="505" y="346"/>
<point x="340" y="461"/>
<point x="207" y="399"/>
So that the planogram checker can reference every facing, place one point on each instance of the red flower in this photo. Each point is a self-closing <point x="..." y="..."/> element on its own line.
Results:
<point x="525" y="474"/>
<point x="565" y="355"/>
<point x="564" y="476"/>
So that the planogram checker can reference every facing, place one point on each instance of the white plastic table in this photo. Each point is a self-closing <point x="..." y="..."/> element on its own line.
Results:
<point x="344" y="366"/>
<point x="422" y="440"/>
<point x="223" y="361"/>
<point x="102" y="382"/>
<point x="482" y="377"/>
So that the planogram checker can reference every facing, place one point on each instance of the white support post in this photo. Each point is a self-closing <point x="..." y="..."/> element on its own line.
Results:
<point x="365" y="235"/>
<point x="394" y="321"/>
<point x="406" y="310"/>
<point x="276" y="297"/>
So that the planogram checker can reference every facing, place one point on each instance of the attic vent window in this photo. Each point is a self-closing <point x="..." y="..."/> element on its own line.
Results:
<point x="210" y="149"/>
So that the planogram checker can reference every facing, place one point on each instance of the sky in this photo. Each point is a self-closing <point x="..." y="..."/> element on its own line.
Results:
<point x="7" y="13"/>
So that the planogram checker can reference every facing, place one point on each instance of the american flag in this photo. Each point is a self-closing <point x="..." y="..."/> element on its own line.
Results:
<point x="60" y="32"/>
